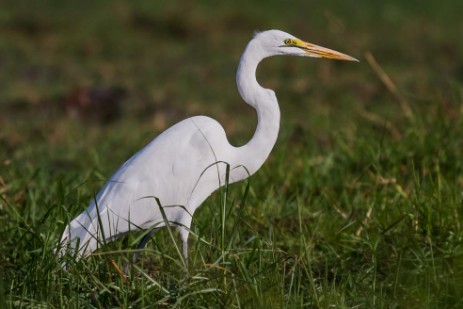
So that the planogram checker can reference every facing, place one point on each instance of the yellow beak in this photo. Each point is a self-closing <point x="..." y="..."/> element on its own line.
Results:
<point x="321" y="52"/>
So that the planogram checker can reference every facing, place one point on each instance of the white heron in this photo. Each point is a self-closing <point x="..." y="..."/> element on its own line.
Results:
<point x="188" y="162"/>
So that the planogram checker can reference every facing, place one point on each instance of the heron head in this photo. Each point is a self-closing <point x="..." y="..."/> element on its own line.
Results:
<point x="277" y="42"/>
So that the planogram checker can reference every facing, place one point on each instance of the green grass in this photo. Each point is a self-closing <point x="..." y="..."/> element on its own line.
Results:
<point x="360" y="204"/>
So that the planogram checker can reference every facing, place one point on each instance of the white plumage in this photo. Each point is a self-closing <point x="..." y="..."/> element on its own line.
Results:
<point x="187" y="162"/>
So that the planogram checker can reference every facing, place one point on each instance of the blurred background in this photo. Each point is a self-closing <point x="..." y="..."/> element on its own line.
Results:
<point x="112" y="74"/>
<point x="369" y="153"/>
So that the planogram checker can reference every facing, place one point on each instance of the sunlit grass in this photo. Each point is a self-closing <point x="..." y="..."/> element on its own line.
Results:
<point x="375" y="224"/>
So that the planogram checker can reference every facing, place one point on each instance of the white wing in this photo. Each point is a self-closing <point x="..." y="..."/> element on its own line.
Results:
<point x="181" y="167"/>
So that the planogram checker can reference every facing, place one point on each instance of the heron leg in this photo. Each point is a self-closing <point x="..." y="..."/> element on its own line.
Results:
<point x="143" y="243"/>
<point x="184" y="233"/>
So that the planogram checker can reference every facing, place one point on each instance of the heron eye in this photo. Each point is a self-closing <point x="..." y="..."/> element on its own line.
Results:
<point x="288" y="41"/>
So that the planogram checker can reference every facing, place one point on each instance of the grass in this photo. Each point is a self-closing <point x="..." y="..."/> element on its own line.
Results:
<point x="359" y="205"/>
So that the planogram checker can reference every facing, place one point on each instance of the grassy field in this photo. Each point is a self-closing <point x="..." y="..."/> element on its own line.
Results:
<point x="360" y="204"/>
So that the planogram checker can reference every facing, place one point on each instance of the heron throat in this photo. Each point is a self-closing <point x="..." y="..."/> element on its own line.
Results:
<point x="264" y="101"/>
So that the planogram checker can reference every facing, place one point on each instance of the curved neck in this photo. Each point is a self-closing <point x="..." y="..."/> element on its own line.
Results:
<point x="256" y="151"/>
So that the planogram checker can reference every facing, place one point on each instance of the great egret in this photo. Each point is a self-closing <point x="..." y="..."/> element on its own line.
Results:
<point x="188" y="162"/>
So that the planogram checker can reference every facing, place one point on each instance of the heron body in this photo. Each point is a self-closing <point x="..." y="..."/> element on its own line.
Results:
<point x="188" y="162"/>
